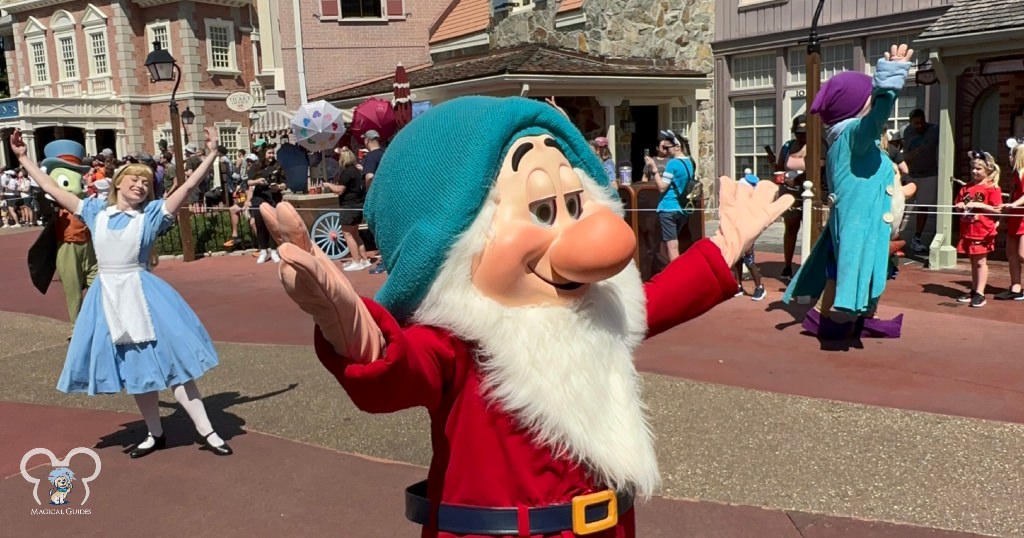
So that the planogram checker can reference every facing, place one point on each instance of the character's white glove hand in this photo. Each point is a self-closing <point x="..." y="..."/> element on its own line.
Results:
<point x="319" y="287"/>
<point x="743" y="213"/>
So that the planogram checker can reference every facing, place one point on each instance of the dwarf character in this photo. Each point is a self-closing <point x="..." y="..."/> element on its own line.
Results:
<point x="511" y="313"/>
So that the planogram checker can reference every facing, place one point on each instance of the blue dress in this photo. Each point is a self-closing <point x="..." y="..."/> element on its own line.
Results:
<point x="181" y="350"/>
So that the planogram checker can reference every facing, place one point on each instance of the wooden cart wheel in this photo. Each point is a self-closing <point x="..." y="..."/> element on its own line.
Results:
<point x="326" y="234"/>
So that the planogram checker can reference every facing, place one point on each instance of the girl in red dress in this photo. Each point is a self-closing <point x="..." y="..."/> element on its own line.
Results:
<point x="1015" y="226"/>
<point x="980" y="199"/>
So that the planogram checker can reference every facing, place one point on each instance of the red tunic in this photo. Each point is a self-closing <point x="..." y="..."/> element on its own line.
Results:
<point x="1015" y="224"/>
<point x="481" y="457"/>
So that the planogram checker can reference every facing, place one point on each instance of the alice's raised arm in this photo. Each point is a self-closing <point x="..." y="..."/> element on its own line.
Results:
<point x="175" y="200"/>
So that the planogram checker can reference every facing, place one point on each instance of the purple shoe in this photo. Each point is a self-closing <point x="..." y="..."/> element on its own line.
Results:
<point x="812" y="322"/>
<point x="824" y="327"/>
<point x="883" y="328"/>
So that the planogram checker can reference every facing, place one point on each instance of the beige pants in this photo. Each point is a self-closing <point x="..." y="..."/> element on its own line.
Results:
<point x="76" y="268"/>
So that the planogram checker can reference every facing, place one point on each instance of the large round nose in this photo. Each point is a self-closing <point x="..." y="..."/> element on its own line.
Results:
<point x="593" y="249"/>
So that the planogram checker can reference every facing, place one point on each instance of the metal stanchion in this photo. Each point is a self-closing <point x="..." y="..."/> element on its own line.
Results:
<point x="806" y="228"/>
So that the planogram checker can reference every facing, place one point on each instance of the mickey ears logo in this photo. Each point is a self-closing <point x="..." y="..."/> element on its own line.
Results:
<point x="62" y="478"/>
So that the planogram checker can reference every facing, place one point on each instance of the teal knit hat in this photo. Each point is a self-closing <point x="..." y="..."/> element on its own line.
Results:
<point x="435" y="176"/>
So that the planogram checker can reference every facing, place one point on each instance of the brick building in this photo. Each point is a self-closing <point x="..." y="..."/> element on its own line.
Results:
<point x="331" y="43"/>
<point x="76" y="70"/>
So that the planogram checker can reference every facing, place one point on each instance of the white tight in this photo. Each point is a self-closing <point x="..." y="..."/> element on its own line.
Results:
<point x="187" y="395"/>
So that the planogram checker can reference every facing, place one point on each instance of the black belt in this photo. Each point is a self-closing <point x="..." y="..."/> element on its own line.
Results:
<point x="586" y="514"/>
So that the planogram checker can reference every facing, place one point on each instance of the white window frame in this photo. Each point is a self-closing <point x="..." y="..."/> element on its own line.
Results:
<point x="680" y="119"/>
<point x="151" y="36"/>
<point x="758" y="156"/>
<point x="241" y="136"/>
<point x="232" y="68"/>
<point x="383" y="16"/>
<point x="899" y="120"/>
<point x="827" y="63"/>
<point x="752" y="71"/>
<point x="796" y="62"/>
<point x="68" y="69"/>
<point x="43" y="78"/>
<point x="881" y="45"/>
<point x="90" y="45"/>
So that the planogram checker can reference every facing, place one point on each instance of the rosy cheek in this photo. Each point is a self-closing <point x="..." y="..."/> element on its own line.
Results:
<point x="504" y="261"/>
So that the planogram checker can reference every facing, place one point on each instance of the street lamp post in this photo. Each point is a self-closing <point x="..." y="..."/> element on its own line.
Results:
<point x="814" y="127"/>
<point x="162" y="67"/>
<point x="187" y="118"/>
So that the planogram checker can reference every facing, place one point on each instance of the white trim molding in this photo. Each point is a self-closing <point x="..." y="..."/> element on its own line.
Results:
<point x="93" y="17"/>
<point x="474" y="40"/>
<point x="227" y="3"/>
<point x="34" y="27"/>
<point x="18" y="6"/>
<point x="571" y="18"/>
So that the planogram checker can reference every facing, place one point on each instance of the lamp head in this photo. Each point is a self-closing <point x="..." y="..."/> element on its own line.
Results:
<point x="160" y="64"/>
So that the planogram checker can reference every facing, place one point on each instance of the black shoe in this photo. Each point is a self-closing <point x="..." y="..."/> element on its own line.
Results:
<point x="222" y="450"/>
<point x="787" y="272"/>
<point x="978" y="300"/>
<point x="159" y="444"/>
<point x="1010" y="296"/>
<point x="965" y="298"/>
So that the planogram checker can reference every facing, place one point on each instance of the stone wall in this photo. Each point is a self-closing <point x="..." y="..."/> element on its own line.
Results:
<point x="679" y="32"/>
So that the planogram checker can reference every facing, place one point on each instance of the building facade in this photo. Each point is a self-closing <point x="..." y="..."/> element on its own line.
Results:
<point x="306" y="47"/>
<point x="760" y="65"/>
<point x="76" y="71"/>
<point x="621" y="70"/>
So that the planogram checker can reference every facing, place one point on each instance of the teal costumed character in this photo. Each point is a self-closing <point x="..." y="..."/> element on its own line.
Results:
<point x="849" y="265"/>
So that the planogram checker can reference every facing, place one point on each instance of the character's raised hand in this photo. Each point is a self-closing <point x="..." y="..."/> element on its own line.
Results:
<point x="211" y="140"/>
<point x="316" y="284"/>
<point x="743" y="213"/>
<point x="899" y="53"/>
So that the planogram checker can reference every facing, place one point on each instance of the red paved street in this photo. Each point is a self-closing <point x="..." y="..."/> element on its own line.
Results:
<point x="951" y="359"/>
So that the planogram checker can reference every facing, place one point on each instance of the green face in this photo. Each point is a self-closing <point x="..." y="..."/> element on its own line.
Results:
<point x="68" y="180"/>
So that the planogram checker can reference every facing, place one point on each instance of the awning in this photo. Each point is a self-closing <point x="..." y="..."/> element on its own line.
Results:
<point x="271" y="124"/>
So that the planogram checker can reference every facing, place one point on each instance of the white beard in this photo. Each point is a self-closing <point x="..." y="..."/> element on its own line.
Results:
<point x="565" y="373"/>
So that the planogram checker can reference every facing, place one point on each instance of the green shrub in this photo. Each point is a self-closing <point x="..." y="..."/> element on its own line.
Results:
<point x="209" y="232"/>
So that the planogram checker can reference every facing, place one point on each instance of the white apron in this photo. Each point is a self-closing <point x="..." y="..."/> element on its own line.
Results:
<point x="120" y="274"/>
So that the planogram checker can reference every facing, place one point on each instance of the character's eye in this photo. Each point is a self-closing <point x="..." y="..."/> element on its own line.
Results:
<point x="543" y="211"/>
<point x="573" y="204"/>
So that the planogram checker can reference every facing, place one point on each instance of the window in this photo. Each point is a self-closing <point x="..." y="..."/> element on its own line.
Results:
<point x="160" y="31"/>
<point x="797" y="66"/>
<point x="753" y="71"/>
<point x="909" y="98"/>
<point x="362" y="9"/>
<point x="98" y="64"/>
<point x="220" y="46"/>
<point x="68" y="58"/>
<point x="753" y="128"/>
<point x="680" y="119"/>
<point x="878" y="46"/>
<point x="40" y="74"/>
<point x="228" y="138"/>
<point x="333" y="10"/>
<point x="836" y="59"/>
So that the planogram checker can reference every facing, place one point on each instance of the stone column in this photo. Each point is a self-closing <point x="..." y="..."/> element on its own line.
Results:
<point x="122" y="143"/>
<point x="90" y="142"/>
<point x="128" y="61"/>
<point x="29" y="137"/>
<point x="942" y="254"/>
<point x="610" y="102"/>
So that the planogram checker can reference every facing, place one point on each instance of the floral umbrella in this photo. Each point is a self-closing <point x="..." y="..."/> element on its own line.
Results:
<point x="403" y="99"/>
<point x="318" y="126"/>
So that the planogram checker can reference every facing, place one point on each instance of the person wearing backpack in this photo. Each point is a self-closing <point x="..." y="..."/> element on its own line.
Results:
<point x="675" y="183"/>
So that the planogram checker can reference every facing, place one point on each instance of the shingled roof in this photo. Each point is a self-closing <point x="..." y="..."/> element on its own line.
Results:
<point x="970" y="16"/>
<point x="519" y="60"/>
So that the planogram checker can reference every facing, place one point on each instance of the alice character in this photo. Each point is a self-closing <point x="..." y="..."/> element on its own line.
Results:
<point x="849" y="266"/>
<point x="141" y="336"/>
<point x="978" y="200"/>
<point x="511" y="312"/>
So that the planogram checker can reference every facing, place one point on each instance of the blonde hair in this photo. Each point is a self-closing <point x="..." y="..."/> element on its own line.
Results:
<point x="1018" y="158"/>
<point x="346" y="158"/>
<point x="133" y="169"/>
<point x="989" y="163"/>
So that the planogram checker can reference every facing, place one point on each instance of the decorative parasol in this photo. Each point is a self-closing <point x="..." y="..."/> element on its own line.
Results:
<point x="318" y="126"/>
<point x="403" y="99"/>
<point x="373" y="114"/>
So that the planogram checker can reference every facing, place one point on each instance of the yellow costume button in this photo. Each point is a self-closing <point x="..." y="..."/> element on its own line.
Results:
<point x="887" y="218"/>
<point x="889" y="190"/>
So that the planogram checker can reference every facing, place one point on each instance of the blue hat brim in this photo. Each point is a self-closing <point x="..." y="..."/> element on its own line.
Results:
<point x="54" y="163"/>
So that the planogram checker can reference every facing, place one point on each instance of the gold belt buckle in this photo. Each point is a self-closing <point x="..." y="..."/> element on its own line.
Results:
<point x="579" y="512"/>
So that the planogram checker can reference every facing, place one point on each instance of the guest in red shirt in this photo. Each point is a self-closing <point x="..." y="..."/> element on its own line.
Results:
<point x="980" y="199"/>
<point x="1015" y="226"/>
